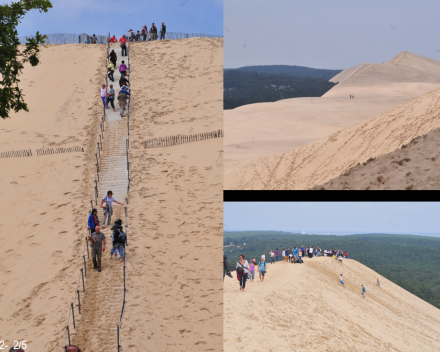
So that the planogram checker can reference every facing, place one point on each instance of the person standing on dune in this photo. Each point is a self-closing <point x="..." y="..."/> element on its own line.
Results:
<point x="378" y="283"/>
<point x="341" y="281"/>
<point x="98" y="246"/>
<point x="363" y="291"/>
<point x="93" y="39"/>
<point x="153" y="31"/>
<point x="242" y="269"/>
<point x="163" y="30"/>
<point x="277" y="254"/>
<point x="262" y="268"/>
<point x="104" y="96"/>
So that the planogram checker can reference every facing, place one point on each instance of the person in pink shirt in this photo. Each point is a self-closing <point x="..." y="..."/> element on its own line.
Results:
<point x="123" y="68"/>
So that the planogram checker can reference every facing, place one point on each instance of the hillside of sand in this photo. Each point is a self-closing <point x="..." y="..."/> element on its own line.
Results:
<point x="321" y="161"/>
<point x="415" y="166"/>
<point x="45" y="199"/>
<point x="263" y="129"/>
<point x="176" y="211"/>
<point x="303" y="307"/>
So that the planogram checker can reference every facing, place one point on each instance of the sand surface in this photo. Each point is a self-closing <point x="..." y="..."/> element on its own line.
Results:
<point x="417" y="166"/>
<point x="45" y="198"/>
<point x="303" y="307"/>
<point x="321" y="161"/>
<point x="263" y="129"/>
<point x="176" y="213"/>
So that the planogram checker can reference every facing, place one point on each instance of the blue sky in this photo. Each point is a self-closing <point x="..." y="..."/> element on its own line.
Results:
<point x="117" y="17"/>
<point x="337" y="217"/>
<point x="335" y="34"/>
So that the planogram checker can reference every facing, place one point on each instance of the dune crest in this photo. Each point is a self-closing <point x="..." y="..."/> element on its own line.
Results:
<point x="305" y="306"/>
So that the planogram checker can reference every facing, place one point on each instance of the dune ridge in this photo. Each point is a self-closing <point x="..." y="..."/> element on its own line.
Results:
<point x="320" y="161"/>
<point x="303" y="307"/>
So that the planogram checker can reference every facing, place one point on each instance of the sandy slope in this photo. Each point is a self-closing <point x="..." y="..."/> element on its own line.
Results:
<point x="304" y="308"/>
<point x="320" y="161"/>
<point x="176" y="217"/>
<point x="414" y="167"/>
<point x="45" y="198"/>
<point x="263" y="129"/>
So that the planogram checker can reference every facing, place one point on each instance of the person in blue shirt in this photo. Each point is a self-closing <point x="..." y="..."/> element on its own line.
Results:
<point x="93" y="220"/>
<point x="262" y="268"/>
<point x="295" y="253"/>
<point x="363" y="291"/>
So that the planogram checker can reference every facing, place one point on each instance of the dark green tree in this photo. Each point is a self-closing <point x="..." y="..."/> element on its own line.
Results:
<point x="12" y="59"/>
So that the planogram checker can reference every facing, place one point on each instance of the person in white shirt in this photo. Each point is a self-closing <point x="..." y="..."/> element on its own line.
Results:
<point x="104" y="96"/>
<point x="284" y="255"/>
<point x="107" y="207"/>
<point x="272" y="257"/>
<point x="263" y="256"/>
<point x="242" y="269"/>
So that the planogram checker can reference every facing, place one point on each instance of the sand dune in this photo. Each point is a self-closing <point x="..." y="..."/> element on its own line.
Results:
<point x="45" y="198"/>
<point x="321" y="161"/>
<point x="414" y="167"/>
<point x="258" y="130"/>
<point x="176" y="218"/>
<point x="304" y="308"/>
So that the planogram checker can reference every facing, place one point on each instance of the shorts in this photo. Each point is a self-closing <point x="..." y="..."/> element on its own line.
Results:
<point x="262" y="273"/>
<point x="342" y="282"/>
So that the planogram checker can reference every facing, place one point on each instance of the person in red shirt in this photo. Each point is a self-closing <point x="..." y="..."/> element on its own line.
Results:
<point x="123" y="42"/>
<point x="113" y="39"/>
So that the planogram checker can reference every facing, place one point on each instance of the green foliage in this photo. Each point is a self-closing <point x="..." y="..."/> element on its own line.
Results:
<point x="412" y="262"/>
<point x="242" y="88"/>
<point x="11" y="58"/>
<point x="297" y="71"/>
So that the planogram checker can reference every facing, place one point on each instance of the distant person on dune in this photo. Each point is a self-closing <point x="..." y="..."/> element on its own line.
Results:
<point x="251" y="274"/>
<point x="378" y="283"/>
<point x="123" y="44"/>
<point x="123" y="68"/>
<point x="97" y="247"/>
<point x="111" y="97"/>
<point x="242" y="269"/>
<point x="87" y="40"/>
<point x="277" y="254"/>
<point x="363" y="291"/>
<point x="113" y="39"/>
<point x="163" y="30"/>
<point x="284" y="255"/>
<point x="93" y="221"/>
<point x="104" y="96"/>
<point x="93" y="39"/>
<point x="138" y="36"/>
<point x="300" y="256"/>
<point x="144" y="33"/>
<point x="262" y="268"/>
<point x="341" y="281"/>
<point x="153" y="31"/>
<point x="113" y="57"/>
<point x="272" y="257"/>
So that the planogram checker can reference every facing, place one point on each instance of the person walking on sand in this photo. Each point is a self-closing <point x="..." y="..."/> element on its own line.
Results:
<point x="163" y="30"/>
<point x="378" y="283"/>
<point x="113" y="57"/>
<point x="363" y="291"/>
<point x="226" y="267"/>
<point x="106" y="204"/>
<point x="272" y="257"/>
<point x="277" y="254"/>
<point x="123" y="68"/>
<point x="111" y="97"/>
<point x="111" y="70"/>
<point x="144" y="33"/>
<point x="242" y="269"/>
<point x="153" y="31"/>
<point x="283" y="254"/>
<point x="300" y="256"/>
<point x="262" y="268"/>
<point x="122" y="101"/>
<point x="98" y="246"/>
<point x="104" y="96"/>
<point x="93" y="221"/>
<point x="341" y="281"/>
<point x="251" y="274"/>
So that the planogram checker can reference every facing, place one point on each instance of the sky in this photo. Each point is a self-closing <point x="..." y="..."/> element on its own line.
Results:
<point x="102" y="16"/>
<point x="336" y="34"/>
<point x="336" y="217"/>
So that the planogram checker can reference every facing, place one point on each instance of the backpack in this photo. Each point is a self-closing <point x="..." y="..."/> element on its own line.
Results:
<point x="119" y="236"/>
<point x="240" y="269"/>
